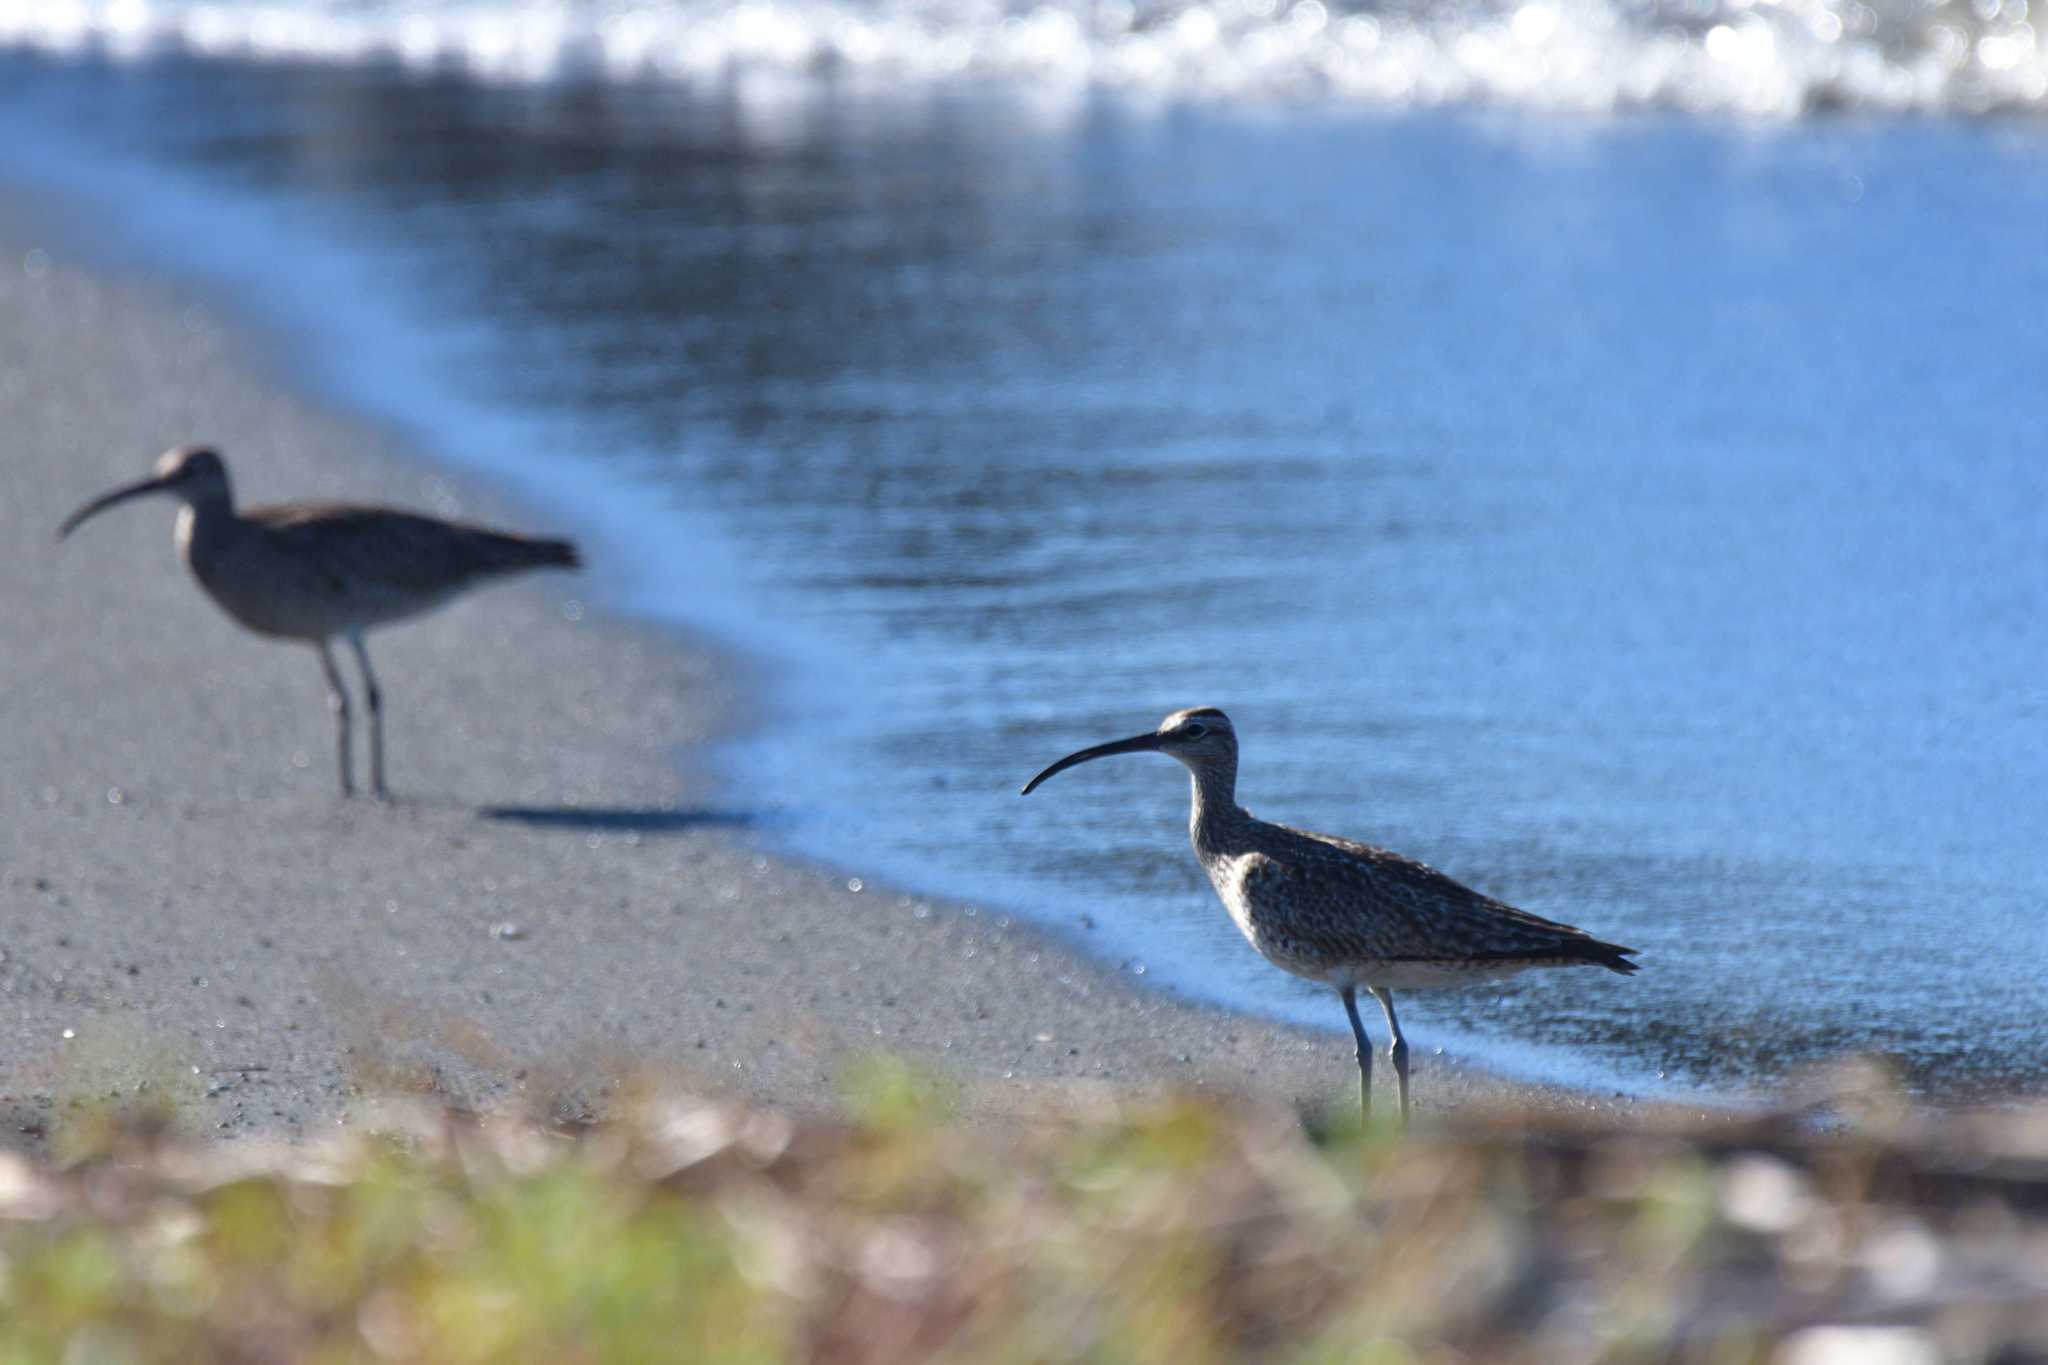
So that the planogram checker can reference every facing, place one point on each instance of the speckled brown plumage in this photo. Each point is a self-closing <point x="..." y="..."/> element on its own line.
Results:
<point x="314" y="571"/>
<point x="1335" y="911"/>
<point x="1342" y="913"/>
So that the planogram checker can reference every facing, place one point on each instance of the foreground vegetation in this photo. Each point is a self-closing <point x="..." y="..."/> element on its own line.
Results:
<point x="1179" y="1231"/>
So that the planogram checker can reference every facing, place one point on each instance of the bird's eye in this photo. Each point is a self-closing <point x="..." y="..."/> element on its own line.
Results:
<point x="1193" y="730"/>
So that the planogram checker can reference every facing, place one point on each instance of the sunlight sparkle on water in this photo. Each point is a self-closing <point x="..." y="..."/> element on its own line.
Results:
<point x="1759" y="57"/>
<point x="1534" y="24"/>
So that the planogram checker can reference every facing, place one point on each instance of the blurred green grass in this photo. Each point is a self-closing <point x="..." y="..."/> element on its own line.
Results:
<point x="1182" y="1230"/>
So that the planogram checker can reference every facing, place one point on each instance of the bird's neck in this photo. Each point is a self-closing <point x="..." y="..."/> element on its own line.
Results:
<point x="1215" y="815"/>
<point x="202" y="521"/>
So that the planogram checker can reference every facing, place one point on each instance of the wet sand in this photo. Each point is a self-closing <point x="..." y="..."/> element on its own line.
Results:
<point x="556" y="905"/>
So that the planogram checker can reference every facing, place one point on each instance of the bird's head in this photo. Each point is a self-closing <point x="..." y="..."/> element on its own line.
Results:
<point x="1201" y="738"/>
<point x="191" y="474"/>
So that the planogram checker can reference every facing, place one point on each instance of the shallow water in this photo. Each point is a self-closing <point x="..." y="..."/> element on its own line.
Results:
<point x="1640" y="519"/>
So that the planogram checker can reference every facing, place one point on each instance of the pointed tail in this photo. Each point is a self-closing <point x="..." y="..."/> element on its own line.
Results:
<point x="501" y="553"/>
<point x="1612" y="956"/>
<point x="554" y="554"/>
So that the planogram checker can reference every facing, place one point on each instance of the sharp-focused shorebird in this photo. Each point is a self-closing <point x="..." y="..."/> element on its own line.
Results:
<point x="1345" y="914"/>
<point x="314" y="571"/>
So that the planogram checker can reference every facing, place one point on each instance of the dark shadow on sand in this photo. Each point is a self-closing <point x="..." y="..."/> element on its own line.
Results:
<point x="613" y="819"/>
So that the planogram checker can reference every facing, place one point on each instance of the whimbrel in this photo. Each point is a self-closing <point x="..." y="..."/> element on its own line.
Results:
<point x="1340" y="913"/>
<point x="315" y="571"/>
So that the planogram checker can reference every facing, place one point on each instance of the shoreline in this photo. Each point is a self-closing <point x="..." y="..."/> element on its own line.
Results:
<point x="195" y="913"/>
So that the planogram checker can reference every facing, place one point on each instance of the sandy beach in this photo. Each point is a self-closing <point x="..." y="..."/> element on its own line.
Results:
<point x="553" y="907"/>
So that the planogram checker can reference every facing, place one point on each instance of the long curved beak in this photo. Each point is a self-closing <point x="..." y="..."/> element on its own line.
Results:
<point x="106" y="500"/>
<point x="1136" y="744"/>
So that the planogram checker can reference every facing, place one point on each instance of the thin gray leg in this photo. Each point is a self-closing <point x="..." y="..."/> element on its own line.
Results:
<point x="337" y="702"/>
<point x="1398" y="1049"/>
<point x="376" y="701"/>
<point x="1364" y="1053"/>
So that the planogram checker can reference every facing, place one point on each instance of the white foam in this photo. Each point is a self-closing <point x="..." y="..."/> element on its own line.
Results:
<point x="1759" y="57"/>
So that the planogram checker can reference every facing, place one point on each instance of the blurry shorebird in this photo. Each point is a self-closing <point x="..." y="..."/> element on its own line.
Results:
<point x="317" y="571"/>
<point x="1341" y="913"/>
